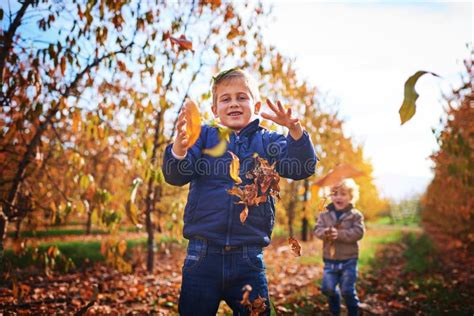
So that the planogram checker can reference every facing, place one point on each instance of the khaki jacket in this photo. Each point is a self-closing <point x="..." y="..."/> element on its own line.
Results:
<point x="350" y="228"/>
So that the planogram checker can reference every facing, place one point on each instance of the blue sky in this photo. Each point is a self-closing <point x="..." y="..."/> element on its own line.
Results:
<point x="361" y="53"/>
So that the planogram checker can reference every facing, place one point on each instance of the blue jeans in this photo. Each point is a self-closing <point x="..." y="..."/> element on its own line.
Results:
<point x="343" y="274"/>
<point x="214" y="273"/>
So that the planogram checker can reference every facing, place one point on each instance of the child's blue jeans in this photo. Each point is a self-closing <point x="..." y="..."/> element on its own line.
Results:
<point x="214" y="273"/>
<point x="343" y="274"/>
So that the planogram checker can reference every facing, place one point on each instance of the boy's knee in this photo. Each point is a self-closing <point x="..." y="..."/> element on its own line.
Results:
<point x="328" y="292"/>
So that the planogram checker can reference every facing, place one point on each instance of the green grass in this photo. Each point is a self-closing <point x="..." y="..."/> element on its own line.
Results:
<point x="420" y="253"/>
<point x="80" y="252"/>
<point x="57" y="232"/>
<point x="370" y="245"/>
<point x="390" y="221"/>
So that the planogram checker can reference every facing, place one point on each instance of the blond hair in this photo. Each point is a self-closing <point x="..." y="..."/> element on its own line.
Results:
<point x="351" y="187"/>
<point x="230" y="75"/>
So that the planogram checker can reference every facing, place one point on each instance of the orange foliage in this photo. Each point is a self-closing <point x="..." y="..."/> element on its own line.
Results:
<point x="449" y="200"/>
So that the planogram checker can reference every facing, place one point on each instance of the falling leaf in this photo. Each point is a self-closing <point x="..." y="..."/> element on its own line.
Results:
<point x="322" y="204"/>
<point x="408" y="108"/>
<point x="244" y="214"/>
<point x="182" y="42"/>
<point x="235" y="168"/>
<point x="245" y="297"/>
<point x="130" y="207"/>
<point x="193" y="122"/>
<point x="295" y="246"/>
<point x="338" y="174"/>
<point x="216" y="151"/>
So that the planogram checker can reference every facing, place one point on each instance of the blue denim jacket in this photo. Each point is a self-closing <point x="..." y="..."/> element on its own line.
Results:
<point x="211" y="212"/>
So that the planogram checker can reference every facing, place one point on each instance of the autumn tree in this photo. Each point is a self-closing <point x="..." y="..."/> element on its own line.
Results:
<point x="102" y="82"/>
<point x="449" y="199"/>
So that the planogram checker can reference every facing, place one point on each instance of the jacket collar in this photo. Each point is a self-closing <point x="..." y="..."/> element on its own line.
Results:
<point x="332" y="211"/>
<point x="251" y="128"/>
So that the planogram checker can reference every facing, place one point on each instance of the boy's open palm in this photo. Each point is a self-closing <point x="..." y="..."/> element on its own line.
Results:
<point x="281" y="117"/>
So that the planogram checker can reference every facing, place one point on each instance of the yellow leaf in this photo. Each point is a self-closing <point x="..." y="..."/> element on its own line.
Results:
<point x="235" y="168"/>
<point x="244" y="214"/>
<point x="193" y="122"/>
<point x="216" y="151"/>
<point x="408" y="108"/>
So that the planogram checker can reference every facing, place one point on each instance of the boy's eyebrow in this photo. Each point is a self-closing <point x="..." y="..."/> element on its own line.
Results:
<point x="228" y="93"/>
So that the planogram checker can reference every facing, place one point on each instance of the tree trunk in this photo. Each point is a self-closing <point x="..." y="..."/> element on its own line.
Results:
<point x="89" y="223"/>
<point x="150" y="198"/>
<point x="150" y="242"/>
<point x="304" y="229"/>
<point x="291" y="216"/>
<point x="3" y="233"/>
<point x="305" y="223"/>
<point x="18" y="228"/>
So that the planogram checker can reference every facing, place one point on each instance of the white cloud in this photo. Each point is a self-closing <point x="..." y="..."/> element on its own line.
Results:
<point x="363" y="53"/>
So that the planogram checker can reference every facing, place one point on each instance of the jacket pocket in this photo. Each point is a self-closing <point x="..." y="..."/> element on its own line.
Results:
<point x="193" y="261"/>
<point x="255" y="261"/>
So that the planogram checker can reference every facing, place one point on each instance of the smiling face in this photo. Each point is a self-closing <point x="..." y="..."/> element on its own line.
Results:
<point x="341" y="198"/>
<point x="234" y="104"/>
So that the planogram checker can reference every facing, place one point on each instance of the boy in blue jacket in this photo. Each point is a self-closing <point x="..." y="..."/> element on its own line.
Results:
<point x="224" y="254"/>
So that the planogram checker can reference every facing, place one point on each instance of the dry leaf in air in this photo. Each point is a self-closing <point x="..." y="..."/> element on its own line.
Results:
<point x="295" y="246"/>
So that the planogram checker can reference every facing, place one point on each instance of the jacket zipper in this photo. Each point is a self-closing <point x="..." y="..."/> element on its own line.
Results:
<point x="232" y="205"/>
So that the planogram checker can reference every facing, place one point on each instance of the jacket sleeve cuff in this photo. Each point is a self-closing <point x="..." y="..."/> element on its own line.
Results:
<point x="300" y="142"/>
<point x="176" y="156"/>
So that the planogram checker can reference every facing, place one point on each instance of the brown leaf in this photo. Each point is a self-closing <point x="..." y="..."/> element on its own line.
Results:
<point x="182" y="42"/>
<point x="338" y="174"/>
<point x="235" y="168"/>
<point x="258" y="306"/>
<point x="237" y="192"/>
<point x="295" y="246"/>
<point x="193" y="122"/>
<point x="244" y="214"/>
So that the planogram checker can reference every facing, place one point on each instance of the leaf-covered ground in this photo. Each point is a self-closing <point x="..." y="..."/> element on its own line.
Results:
<point x="410" y="276"/>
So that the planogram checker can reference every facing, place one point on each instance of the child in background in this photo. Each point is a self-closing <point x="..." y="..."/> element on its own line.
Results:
<point x="340" y="227"/>
<point x="224" y="254"/>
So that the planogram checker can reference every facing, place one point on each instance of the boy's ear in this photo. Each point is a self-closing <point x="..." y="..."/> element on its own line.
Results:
<point x="257" y="107"/>
<point x="214" y="110"/>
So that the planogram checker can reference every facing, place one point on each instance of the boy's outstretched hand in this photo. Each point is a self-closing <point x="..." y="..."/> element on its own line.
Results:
<point x="181" y="142"/>
<point x="284" y="118"/>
